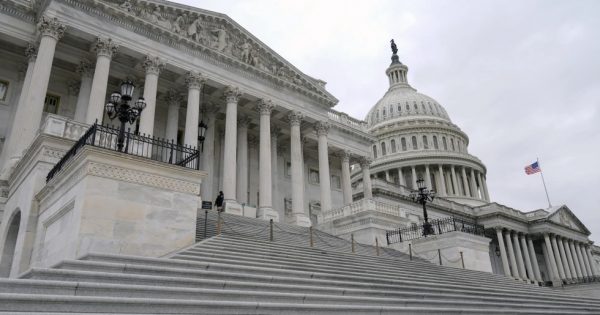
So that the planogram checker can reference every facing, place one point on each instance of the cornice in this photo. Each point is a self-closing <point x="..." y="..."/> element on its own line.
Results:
<point x="18" y="9"/>
<point x="135" y="20"/>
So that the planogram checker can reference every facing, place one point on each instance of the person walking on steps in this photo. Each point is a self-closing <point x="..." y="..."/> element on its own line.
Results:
<point x="219" y="201"/>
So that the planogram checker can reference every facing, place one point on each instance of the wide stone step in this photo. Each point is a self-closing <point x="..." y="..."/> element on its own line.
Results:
<point x="350" y="298"/>
<point x="61" y="304"/>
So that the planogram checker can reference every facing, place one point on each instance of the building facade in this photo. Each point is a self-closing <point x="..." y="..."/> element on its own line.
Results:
<point x="273" y="143"/>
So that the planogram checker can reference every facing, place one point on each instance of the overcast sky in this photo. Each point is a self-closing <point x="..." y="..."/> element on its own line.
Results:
<point x="521" y="78"/>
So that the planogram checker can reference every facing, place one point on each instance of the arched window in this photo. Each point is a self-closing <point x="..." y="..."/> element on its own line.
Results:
<point x="383" y="151"/>
<point x="414" y="142"/>
<point x="393" y="145"/>
<point x="407" y="107"/>
<point x="435" y="143"/>
<point x="445" y="143"/>
<point x="391" y="110"/>
<point x="399" y="108"/>
<point x="377" y="114"/>
<point x="423" y="107"/>
<point x="403" y="143"/>
<point x="452" y="144"/>
<point x="416" y="108"/>
<point x="425" y="143"/>
<point x="384" y="112"/>
<point x="10" y="243"/>
<point x="459" y="145"/>
<point x="374" y="151"/>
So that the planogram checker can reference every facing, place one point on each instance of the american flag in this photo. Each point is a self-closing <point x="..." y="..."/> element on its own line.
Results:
<point x="533" y="168"/>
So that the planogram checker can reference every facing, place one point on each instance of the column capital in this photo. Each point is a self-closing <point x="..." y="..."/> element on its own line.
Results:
<point x="153" y="65"/>
<point x="51" y="27"/>
<point x="173" y="98"/>
<point x="295" y="118"/>
<point x="194" y="80"/>
<point x="345" y="155"/>
<point x="499" y="229"/>
<point x="322" y="128"/>
<point x="74" y="86"/>
<point x="253" y="141"/>
<point x="365" y="161"/>
<point x="264" y="107"/>
<point x="232" y="94"/>
<point x="243" y="122"/>
<point x="210" y="109"/>
<point x="85" y="68"/>
<point x="104" y="47"/>
<point x="31" y="52"/>
<point x="275" y="132"/>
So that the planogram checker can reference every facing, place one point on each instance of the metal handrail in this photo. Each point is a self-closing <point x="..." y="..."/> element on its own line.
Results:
<point x="153" y="148"/>
<point x="440" y="226"/>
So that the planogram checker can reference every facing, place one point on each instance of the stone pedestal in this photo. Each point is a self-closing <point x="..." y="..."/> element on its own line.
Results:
<point x="299" y="219"/>
<point x="231" y="206"/>
<point x="475" y="250"/>
<point x="109" y="202"/>
<point x="268" y="214"/>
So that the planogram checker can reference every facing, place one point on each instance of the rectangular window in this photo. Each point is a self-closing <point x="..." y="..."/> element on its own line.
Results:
<point x="51" y="103"/>
<point x="3" y="90"/>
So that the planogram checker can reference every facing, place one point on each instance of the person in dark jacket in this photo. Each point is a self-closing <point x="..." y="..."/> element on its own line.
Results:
<point x="219" y="201"/>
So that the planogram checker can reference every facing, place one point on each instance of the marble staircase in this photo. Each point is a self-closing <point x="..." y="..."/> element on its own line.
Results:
<point x="241" y="271"/>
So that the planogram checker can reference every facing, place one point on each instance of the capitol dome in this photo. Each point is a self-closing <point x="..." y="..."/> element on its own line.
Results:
<point x="415" y="138"/>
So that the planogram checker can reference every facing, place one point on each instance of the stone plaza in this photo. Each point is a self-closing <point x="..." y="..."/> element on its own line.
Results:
<point x="308" y="191"/>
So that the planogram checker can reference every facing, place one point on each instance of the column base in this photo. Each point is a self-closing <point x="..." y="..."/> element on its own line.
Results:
<point x="231" y="206"/>
<point x="267" y="214"/>
<point x="299" y="219"/>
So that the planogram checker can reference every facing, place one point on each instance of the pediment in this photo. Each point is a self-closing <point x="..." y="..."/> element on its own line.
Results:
<point x="219" y="36"/>
<point x="563" y="216"/>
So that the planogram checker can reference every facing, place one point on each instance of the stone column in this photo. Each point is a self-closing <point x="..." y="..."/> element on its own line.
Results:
<point x="10" y="153"/>
<point x="559" y="265"/>
<point x="275" y="133"/>
<point x="551" y="276"/>
<point x="242" y="161"/>
<point x="173" y="100"/>
<point x="584" y="269"/>
<point x="84" y="69"/>
<point x="428" y="178"/>
<point x="527" y="258"/>
<point x="232" y="95"/>
<point x="502" y="251"/>
<point x="346" y="182"/>
<point x="265" y="198"/>
<point x="442" y="181"/>
<point x="481" y="186"/>
<point x="454" y="181"/>
<point x="551" y="262"/>
<point x="465" y="182"/>
<point x="414" y="177"/>
<point x="534" y="262"/>
<point x="298" y="215"/>
<point x="511" y="255"/>
<point x="208" y="154"/>
<point x="590" y="258"/>
<point x="575" y="260"/>
<point x="570" y="261"/>
<point x="152" y="66"/>
<point x="105" y="49"/>
<point x="365" y="163"/>
<point x="28" y="114"/>
<point x="324" y="179"/>
<point x="564" y="259"/>
<point x="474" y="192"/>
<point x="519" y="256"/>
<point x="588" y="266"/>
<point x="485" y="189"/>
<point x="194" y="83"/>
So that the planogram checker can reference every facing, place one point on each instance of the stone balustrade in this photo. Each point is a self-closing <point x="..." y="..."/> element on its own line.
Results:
<point x="346" y="120"/>
<point x="64" y="127"/>
<point x="360" y="206"/>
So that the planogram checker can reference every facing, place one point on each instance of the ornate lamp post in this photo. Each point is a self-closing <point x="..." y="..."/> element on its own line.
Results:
<point x="201" y="131"/>
<point x="119" y="107"/>
<point x="423" y="196"/>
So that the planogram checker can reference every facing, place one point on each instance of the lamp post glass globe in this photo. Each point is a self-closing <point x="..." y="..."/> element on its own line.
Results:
<point x="127" y="88"/>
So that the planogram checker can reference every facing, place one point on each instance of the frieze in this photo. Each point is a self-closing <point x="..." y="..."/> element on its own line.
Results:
<point x="207" y="33"/>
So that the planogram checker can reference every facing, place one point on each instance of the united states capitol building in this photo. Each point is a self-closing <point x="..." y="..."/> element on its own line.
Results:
<point x="319" y="213"/>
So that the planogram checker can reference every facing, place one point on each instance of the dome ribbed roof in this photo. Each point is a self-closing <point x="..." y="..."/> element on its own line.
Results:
<point x="401" y="101"/>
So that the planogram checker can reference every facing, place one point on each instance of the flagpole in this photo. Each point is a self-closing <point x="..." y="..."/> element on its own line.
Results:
<point x="544" y="182"/>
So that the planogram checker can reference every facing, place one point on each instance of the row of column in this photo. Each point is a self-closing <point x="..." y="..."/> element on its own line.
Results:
<point x="566" y="260"/>
<point x="569" y="260"/>
<point x="447" y="183"/>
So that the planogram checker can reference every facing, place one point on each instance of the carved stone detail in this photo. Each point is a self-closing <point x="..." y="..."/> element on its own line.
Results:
<point x="30" y="52"/>
<point x="194" y="80"/>
<point x="295" y="118"/>
<point x="243" y="122"/>
<point x="253" y="141"/>
<point x="232" y="94"/>
<point x="275" y="132"/>
<point x="105" y="47"/>
<point x="365" y="161"/>
<point x="153" y="65"/>
<point x="322" y="128"/>
<point x="173" y="97"/>
<point x="85" y="68"/>
<point x="264" y="107"/>
<point x="345" y="155"/>
<point x="74" y="86"/>
<point x="51" y="27"/>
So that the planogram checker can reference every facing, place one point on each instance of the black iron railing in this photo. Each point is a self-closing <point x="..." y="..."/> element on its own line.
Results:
<point x="439" y="226"/>
<point x="156" y="149"/>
